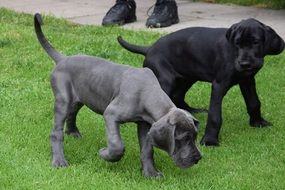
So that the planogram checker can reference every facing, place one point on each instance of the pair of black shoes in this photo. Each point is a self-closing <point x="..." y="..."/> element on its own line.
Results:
<point x="124" y="11"/>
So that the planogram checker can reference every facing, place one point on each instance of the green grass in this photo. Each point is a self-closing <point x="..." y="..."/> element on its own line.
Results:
<point x="247" y="158"/>
<point x="274" y="4"/>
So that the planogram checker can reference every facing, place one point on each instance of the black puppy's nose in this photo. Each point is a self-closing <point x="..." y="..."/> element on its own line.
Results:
<point x="244" y="64"/>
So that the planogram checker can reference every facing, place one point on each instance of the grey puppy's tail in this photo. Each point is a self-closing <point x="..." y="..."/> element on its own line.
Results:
<point x="133" y="48"/>
<point x="55" y="55"/>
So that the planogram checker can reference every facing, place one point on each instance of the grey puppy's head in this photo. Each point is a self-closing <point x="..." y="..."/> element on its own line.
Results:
<point x="253" y="40"/>
<point x="176" y="133"/>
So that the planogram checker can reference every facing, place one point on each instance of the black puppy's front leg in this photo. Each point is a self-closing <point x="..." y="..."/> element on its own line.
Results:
<point x="214" y="121"/>
<point x="253" y="104"/>
<point x="146" y="148"/>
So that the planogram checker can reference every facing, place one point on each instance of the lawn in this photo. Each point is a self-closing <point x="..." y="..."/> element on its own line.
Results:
<point x="273" y="4"/>
<point x="247" y="158"/>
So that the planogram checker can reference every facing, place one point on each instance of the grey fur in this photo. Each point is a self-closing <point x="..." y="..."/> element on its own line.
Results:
<point x="121" y="94"/>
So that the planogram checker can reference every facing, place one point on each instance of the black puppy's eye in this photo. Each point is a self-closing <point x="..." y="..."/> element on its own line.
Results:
<point x="237" y="42"/>
<point x="255" y="42"/>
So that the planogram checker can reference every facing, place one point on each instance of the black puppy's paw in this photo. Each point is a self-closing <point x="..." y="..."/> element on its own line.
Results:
<point x="75" y="134"/>
<point x="209" y="141"/>
<point x="260" y="123"/>
<point x="197" y="110"/>
<point x="59" y="162"/>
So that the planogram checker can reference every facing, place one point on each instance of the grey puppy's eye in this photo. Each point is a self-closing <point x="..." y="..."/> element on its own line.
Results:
<point x="181" y="136"/>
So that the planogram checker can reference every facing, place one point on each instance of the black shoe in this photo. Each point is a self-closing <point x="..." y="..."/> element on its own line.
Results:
<point x="124" y="11"/>
<point x="164" y="14"/>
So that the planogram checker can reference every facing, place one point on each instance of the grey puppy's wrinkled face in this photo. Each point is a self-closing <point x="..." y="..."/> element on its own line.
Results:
<point x="176" y="133"/>
<point x="186" y="152"/>
<point x="252" y="41"/>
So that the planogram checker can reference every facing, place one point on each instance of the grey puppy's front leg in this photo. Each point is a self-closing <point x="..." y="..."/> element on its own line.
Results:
<point x="146" y="149"/>
<point x="115" y="150"/>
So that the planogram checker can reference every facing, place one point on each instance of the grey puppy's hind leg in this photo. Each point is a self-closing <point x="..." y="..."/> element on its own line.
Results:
<point x="146" y="150"/>
<point x="61" y="107"/>
<point x="71" y="127"/>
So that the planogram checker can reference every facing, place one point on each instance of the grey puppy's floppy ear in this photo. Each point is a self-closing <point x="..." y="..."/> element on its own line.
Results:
<point x="162" y="132"/>
<point x="162" y="135"/>
<point x="184" y="119"/>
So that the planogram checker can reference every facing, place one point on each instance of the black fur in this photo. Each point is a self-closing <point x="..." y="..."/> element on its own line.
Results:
<point x="223" y="56"/>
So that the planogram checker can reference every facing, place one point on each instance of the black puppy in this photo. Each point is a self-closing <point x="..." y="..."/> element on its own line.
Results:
<point x="222" y="56"/>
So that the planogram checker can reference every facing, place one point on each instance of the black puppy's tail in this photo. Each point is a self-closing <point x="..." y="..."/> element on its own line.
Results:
<point x="56" y="56"/>
<point x="133" y="48"/>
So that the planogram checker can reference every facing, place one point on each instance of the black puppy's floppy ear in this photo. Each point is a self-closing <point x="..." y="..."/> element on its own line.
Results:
<point x="162" y="135"/>
<point x="230" y="34"/>
<point x="273" y="44"/>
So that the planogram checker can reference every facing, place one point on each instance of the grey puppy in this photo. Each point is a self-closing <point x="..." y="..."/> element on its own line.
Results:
<point x="121" y="94"/>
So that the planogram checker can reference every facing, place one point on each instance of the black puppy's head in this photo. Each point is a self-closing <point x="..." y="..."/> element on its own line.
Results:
<point x="253" y="40"/>
<point x="176" y="133"/>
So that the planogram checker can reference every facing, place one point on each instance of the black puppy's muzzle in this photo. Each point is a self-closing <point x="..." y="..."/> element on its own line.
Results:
<point x="245" y="65"/>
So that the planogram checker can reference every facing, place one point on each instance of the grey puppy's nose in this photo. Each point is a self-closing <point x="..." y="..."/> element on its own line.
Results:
<point x="197" y="158"/>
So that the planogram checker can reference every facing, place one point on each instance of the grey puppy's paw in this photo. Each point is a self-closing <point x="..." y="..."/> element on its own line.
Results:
<point x="110" y="156"/>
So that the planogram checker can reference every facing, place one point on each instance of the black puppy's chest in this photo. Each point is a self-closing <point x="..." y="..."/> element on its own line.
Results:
<point x="232" y="78"/>
<point x="226" y="73"/>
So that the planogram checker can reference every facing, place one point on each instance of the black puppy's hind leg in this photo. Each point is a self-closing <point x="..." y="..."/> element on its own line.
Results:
<point x="168" y="83"/>
<point x="146" y="149"/>
<point x="178" y="96"/>
<point x="71" y="127"/>
<point x="214" y="121"/>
